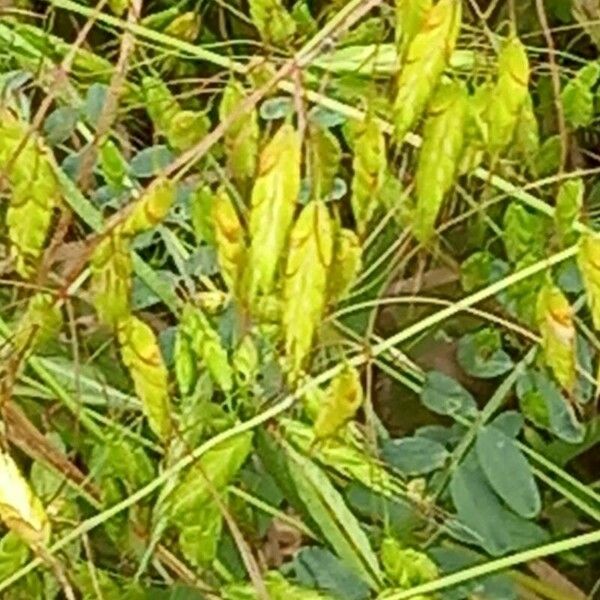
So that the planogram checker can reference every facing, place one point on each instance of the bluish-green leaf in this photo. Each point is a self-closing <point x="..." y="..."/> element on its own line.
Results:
<point x="508" y="471"/>
<point x="60" y="124"/>
<point x="151" y="161"/>
<point x="497" y="529"/>
<point x="481" y="355"/>
<point x="445" y="396"/>
<point x="414" y="455"/>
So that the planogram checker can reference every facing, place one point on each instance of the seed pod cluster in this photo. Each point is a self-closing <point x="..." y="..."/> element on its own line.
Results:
<point x="427" y="56"/>
<point x="182" y="128"/>
<point x="199" y="343"/>
<point x="509" y="95"/>
<point x="439" y="157"/>
<point x="346" y="264"/>
<point x="274" y="197"/>
<point x="34" y="191"/>
<point x="229" y="238"/>
<point x="142" y="357"/>
<point x="304" y="289"/>
<point x="410" y="16"/>
<point x="40" y="323"/>
<point x="369" y="166"/>
<point x="241" y="138"/>
<point x="323" y="160"/>
<point x="111" y="263"/>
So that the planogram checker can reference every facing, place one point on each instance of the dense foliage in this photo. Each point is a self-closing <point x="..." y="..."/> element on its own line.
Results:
<point x="300" y="300"/>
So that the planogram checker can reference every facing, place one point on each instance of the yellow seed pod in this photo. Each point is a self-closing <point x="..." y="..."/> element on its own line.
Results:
<point x="205" y="342"/>
<point x="369" y="165"/>
<point x="343" y="398"/>
<point x="323" y="156"/>
<point x="141" y="355"/>
<point x="112" y="269"/>
<point x="161" y="105"/>
<point x="555" y="321"/>
<point x="510" y="94"/>
<point x="304" y="289"/>
<point x="273" y="22"/>
<point x="345" y="266"/>
<point x="410" y="16"/>
<point x="229" y="237"/>
<point x="40" y="323"/>
<point x="427" y="56"/>
<point x="588" y="259"/>
<point x="150" y="209"/>
<point x="20" y="509"/>
<point x="274" y="199"/>
<point x="35" y="191"/>
<point x="439" y="156"/>
<point x="241" y="138"/>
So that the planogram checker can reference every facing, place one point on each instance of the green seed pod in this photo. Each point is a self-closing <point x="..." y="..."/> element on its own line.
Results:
<point x="439" y="157"/>
<point x="427" y="56"/>
<point x="510" y="93"/>
<point x="588" y="260"/>
<point x="229" y="237"/>
<point x="185" y="26"/>
<point x="346" y="265"/>
<point x="323" y="160"/>
<point x="34" y="192"/>
<point x="410" y="16"/>
<point x="205" y="343"/>
<point x="555" y="321"/>
<point x="161" y="105"/>
<point x="112" y="269"/>
<point x="274" y="198"/>
<point x="40" y="323"/>
<point x="369" y="165"/>
<point x="304" y="290"/>
<point x="343" y="398"/>
<point x="141" y="355"/>
<point x="241" y="138"/>
<point x="150" y="209"/>
<point x="273" y="22"/>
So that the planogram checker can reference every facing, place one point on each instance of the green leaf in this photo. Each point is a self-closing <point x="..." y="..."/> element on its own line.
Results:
<point x="543" y="404"/>
<point x="276" y="108"/>
<point x="509" y="422"/>
<point x="497" y="529"/>
<point x="492" y="587"/>
<point x="481" y="269"/>
<point x="508" y="471"/>
<point x="339" y="526"/>
<point x="481" y="355"/>
<point x="414" y="455"/>
<point x="94" y="102"/>
<point x="318" y="568"/>
<point x="445" y="396"/>
<point x="577" y="97"/>
<point x="60" y="124"/>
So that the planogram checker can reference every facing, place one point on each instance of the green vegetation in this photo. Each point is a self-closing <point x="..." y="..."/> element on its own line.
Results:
<point x="300" y="300"/>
